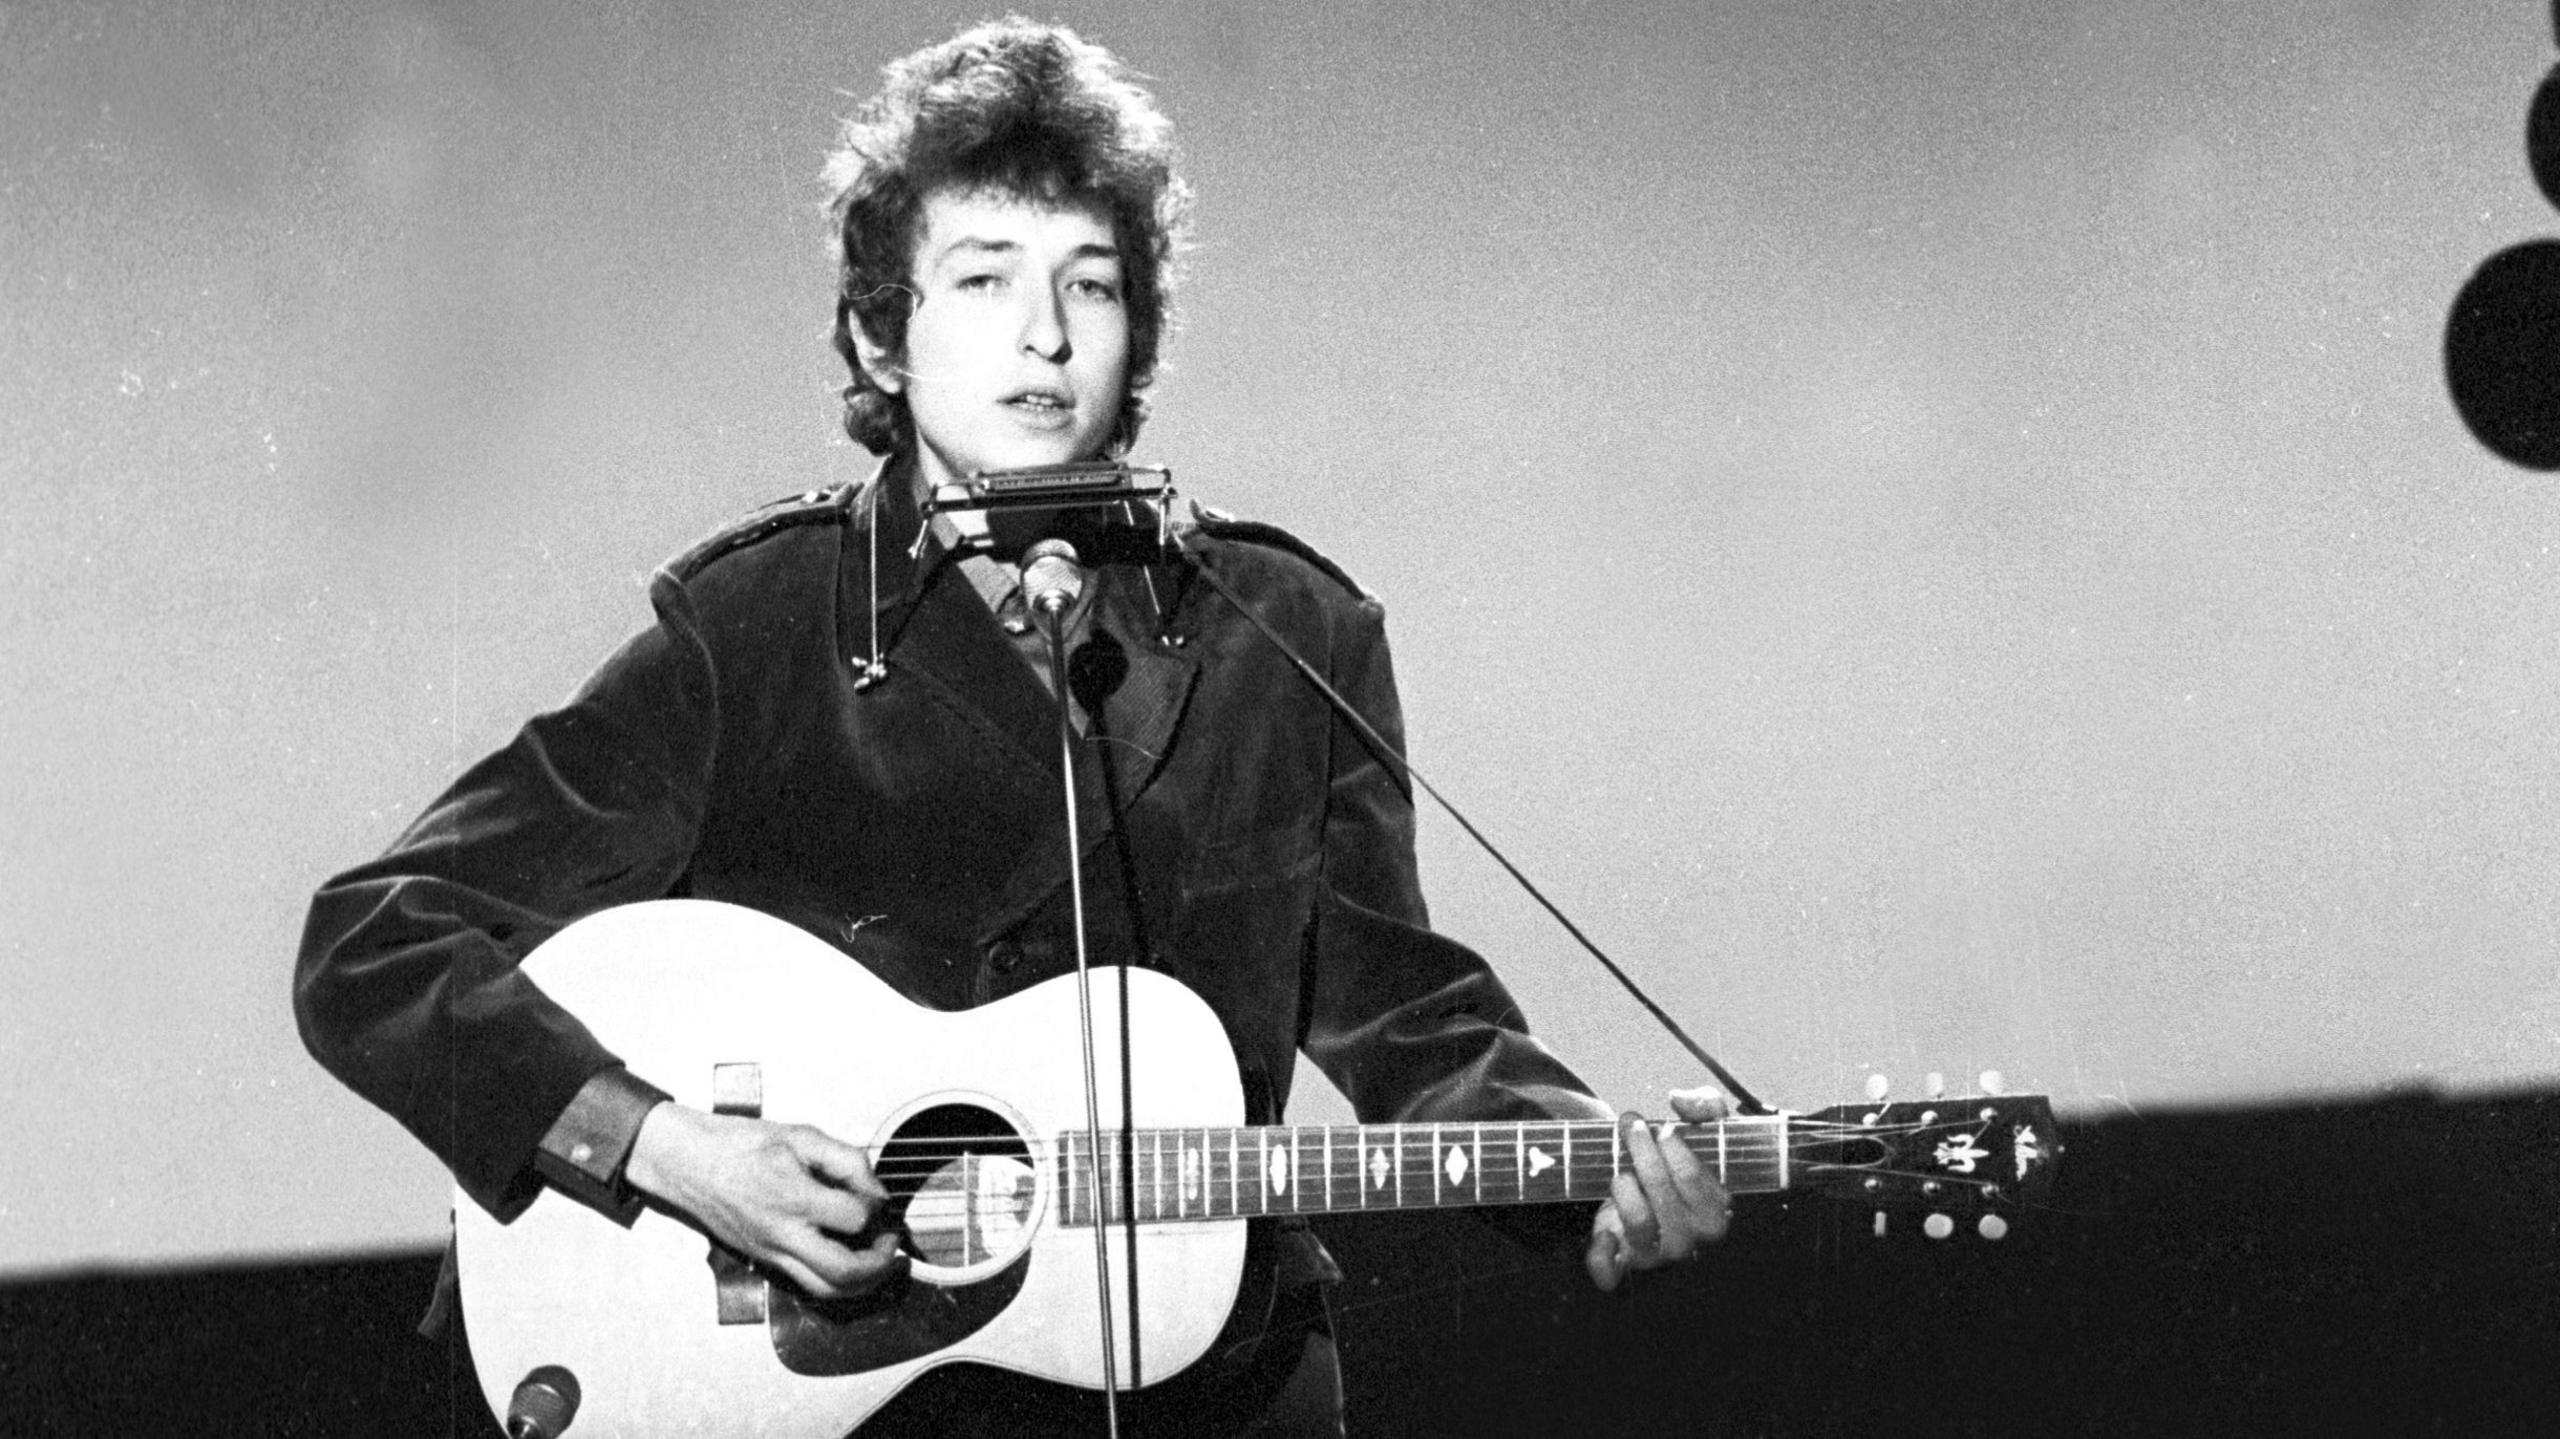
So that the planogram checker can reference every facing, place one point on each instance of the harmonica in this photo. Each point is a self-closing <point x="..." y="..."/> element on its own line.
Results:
<point x="1111" y="513"/>
<point x="1052" y="487"/>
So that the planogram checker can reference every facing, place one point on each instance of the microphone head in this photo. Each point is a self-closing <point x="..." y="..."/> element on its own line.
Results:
<point x="1052" y="581"/>
<point x="545" y="1401"/>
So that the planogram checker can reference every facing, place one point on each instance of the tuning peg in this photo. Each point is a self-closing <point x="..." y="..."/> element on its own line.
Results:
<point x="1992" y="1227"/>
<point x="1993" y="1083"/>
<point x="1877" y="1086"/>
<point x="1936" y="1085"/>
<point x="1937" y="1226"/>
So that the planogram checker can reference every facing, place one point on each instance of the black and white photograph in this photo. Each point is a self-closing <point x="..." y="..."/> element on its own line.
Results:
<point x="1376" y="718"/>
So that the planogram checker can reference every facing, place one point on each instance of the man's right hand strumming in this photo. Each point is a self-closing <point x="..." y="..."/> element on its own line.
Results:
<point x="786" y="1196"/>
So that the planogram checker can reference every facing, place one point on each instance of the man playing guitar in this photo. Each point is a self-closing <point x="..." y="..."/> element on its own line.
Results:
<point x="841" y="717"/>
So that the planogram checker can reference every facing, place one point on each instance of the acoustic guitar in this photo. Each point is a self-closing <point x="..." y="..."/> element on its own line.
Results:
<point x="975" y="1120"/>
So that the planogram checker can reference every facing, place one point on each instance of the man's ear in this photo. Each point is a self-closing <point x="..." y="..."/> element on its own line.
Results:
<point x="877" y="362"/>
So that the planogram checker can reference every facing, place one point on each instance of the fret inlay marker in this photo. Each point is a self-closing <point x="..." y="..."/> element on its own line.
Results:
<point x="1378" y="1168"/>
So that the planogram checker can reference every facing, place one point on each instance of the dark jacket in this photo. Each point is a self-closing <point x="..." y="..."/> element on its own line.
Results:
<point x="1237" y="835"/>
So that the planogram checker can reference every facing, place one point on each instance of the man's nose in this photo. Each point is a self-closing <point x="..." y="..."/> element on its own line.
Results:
<point x="1044" y="328"/>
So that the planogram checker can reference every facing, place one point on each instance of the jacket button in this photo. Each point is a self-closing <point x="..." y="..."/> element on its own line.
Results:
<point x="1003" y="955"/>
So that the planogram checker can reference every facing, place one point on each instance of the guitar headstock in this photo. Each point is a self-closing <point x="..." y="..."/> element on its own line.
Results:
<point x="1955" y="1156"/>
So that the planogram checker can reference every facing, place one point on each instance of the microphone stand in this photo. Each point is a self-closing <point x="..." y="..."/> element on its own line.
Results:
<point x="1049" y="607"/>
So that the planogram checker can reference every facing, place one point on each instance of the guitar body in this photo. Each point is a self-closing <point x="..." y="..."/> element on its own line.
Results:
<point x="712" y="1002"/>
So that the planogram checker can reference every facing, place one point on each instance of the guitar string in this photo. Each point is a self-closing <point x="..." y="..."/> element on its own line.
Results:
<point x="1319" y="1139"/>
<point x="1157" y="1192"/>
<point x="1332" y="1154"/>
<point x="1164" y="1205"/>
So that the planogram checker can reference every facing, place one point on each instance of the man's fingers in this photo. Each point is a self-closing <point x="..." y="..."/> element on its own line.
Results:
<point x="801" y="1276"/>
<point x="1605" y="1257"/>
<point x="878" y="1260"/>
<point x="828" y="1268"/>
<point x="1701" y="1199"/>
<point x="836" y="1210"/>
<point x="837" y="1162"/>
<point x="1651" y="1181"/>
<point x="1701" y="1104"/>
<point x="1639" y="1229"/>
<point x="1681" y="1200"/>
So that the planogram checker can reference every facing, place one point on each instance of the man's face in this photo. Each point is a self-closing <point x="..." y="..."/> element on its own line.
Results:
<point x="1018" y="346"/>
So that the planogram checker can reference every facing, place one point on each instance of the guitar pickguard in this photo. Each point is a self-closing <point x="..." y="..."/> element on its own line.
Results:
<point x="903" y="1319"/>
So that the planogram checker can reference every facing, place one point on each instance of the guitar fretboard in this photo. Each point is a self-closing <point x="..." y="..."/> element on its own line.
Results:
<point x="1172" y="1175"/>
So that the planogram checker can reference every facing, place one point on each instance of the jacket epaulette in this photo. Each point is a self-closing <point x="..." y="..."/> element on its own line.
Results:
<point x="1218" y="524"/>
<point x="809" y="507"/>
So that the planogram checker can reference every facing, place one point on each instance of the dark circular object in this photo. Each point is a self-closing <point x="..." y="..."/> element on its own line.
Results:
<point x="2502" y="353"/>
<point x="2542" y="136"/>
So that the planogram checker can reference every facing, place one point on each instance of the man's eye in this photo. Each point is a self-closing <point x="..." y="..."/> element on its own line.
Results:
<point x="1095" y="289"/>
<point x="981" y="282"/>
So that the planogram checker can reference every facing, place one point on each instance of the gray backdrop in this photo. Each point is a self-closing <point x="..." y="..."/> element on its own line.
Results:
<point x="1933" y="527"/>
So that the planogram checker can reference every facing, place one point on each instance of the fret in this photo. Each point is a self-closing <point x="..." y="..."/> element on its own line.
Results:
<point x="1724" y="1169"/>
<point x="1328" y="1168"/>
<point x="1475" y="1141"/>
<point x="1155" y="1183"/>
<point x="1422" y="1160"/>
<point x="1399" y="1144"/>
<point x="1235" y="1194"/>
<point x="1298" y="1170"/>
<point x="1071" y="1188"/>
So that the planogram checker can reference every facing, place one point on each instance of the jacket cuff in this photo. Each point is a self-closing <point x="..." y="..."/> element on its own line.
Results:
<point x="583" y="1153"/>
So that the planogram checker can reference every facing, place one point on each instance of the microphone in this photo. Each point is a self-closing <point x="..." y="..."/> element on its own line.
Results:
<point x="1052" y="581"/>
<point x="544" y="1404"/>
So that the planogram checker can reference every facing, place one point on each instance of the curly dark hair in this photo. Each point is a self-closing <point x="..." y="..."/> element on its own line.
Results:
<point x="1020" y="108"/>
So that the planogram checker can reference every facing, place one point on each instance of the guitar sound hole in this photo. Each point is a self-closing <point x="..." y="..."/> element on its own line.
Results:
<point x="961" y="1187"/>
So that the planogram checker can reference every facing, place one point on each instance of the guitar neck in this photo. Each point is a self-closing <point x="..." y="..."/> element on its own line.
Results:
<point x="1174" y="1175"/>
